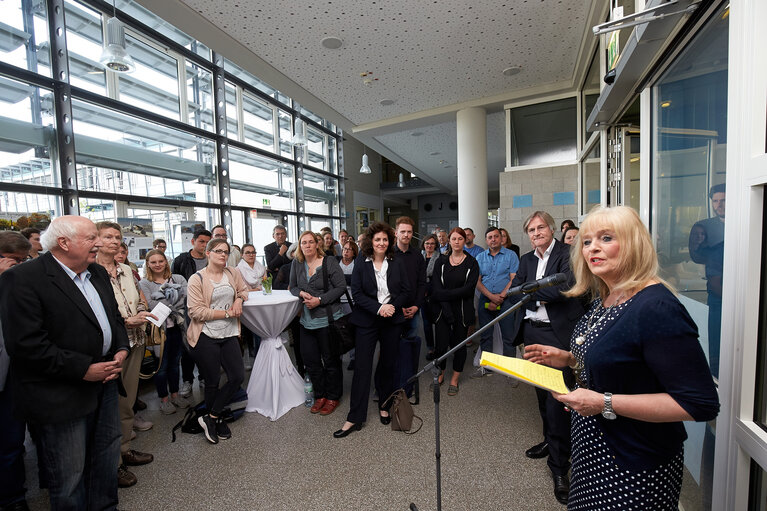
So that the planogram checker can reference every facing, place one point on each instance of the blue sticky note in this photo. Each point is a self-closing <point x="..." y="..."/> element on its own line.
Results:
<point x="523" y="201"/>
<point x="564" y="198"/>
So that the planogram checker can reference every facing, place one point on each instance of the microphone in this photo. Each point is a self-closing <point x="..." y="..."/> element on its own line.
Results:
<point x="531" y="287"/>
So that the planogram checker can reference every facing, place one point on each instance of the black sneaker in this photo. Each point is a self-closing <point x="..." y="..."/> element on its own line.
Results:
<point x="222" y="430"/>
<point x="209" y="428"/>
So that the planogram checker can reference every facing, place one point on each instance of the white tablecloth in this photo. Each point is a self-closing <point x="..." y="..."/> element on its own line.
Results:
<point x="275" y="385"/>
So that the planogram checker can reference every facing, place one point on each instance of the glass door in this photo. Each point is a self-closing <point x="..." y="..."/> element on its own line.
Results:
<point x="623" y="167"/>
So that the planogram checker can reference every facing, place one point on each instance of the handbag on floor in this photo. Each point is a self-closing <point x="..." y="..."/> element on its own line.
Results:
<point x="341" y="329"/>
<point x="402" y="413"/>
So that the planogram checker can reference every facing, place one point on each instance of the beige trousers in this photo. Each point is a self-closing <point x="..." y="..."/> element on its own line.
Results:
<point x="130" y="372"/>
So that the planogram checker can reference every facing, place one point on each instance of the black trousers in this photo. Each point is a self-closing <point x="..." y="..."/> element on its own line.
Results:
<point x="448" y="336"/>
<point x="295" y="331"/>
<point x="322" y="362"/>
<point x="187" y="365"/>
<point x="211" y="356"/>
<point x="556" y="421"/>
<point x="387" y="333"/>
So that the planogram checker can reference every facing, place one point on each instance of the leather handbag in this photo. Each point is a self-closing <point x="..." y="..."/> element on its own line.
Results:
<point x="341" y="329"/>
<point x="155" y="336"/>
<point x="402" y="414"/>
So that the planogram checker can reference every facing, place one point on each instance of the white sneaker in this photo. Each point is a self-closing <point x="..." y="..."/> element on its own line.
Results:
<point x="180" y="402"/>
<point x="202" y="384"/>
<point x="140" y="424"/>
<point x="167" y="408"/>
<point x="185" y="390"/>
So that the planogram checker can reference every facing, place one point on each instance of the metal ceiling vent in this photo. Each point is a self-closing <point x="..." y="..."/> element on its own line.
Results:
<point x="114" y="56"/>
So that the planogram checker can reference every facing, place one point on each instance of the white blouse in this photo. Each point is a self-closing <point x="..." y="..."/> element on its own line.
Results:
<point x="383" y="289"/>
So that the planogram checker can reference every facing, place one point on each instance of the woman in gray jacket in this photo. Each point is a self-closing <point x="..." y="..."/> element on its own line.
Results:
<point x="319" y="350"/>
<point x="160" y="286"/>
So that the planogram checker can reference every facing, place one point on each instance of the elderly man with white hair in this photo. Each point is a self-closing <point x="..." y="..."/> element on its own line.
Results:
<point x="67" y="342"/>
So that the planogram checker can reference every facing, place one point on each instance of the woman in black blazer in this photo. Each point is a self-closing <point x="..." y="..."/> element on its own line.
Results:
<point x="379" y="290"/>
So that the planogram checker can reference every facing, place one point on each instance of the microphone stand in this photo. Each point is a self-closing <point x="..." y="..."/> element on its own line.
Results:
<point x="435" y="370"/>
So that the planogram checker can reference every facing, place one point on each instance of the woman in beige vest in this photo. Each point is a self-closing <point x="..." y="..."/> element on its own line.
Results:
<point x="133" y="310"/>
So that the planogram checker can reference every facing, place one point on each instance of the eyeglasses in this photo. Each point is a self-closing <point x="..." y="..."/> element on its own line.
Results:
<point x="219" y="251"/>
<point x="17" y="259"/>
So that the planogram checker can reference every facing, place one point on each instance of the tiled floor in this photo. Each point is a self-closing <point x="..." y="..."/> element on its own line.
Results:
<point x="296" y="464"/>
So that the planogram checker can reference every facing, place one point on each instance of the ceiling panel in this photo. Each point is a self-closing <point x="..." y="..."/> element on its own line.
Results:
<point x="422" y="54"/>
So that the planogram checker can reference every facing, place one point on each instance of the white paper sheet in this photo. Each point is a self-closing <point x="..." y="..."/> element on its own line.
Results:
<point x="162" y="312"/>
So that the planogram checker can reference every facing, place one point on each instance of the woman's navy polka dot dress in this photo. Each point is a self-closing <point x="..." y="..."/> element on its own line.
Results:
<point x="597" y="482"/>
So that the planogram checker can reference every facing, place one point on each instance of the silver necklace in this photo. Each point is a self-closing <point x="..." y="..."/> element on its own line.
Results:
<point x="582" y="338"/>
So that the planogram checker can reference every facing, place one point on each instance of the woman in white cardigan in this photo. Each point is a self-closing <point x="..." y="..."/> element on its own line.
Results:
<point x="252" y="273"/>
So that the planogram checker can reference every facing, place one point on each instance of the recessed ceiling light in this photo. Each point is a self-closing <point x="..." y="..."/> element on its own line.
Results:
<point x="386" y="102"/>
<point x="665" y="104"/>
<point x="435" y="153"/>
<point x="332" y="43"/>
<point x="511" y="71"/>
<point x="416" y="134"/>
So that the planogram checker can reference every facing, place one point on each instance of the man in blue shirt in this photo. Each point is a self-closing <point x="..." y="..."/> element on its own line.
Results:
<point x="497" y="267"/>
<point x="470" y="248"/>
<point x="442" y="237"/>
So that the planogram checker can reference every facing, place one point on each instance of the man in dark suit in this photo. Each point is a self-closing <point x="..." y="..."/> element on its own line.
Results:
<point x="415" y="271"/>
<point x="67" y="342"/>
<point x="14" y="249"/>
<point x="549" y="318"/>
<point x="276" y="255"/>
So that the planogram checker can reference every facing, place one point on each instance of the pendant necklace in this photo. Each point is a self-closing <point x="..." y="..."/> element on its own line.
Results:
<point x="582" y="338"/>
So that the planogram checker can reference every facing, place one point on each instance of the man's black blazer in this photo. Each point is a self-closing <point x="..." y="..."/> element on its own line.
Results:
<point x="274" y="261"/>
<point x="53" y="336"/>
<point x="563" y="312"/>
<point x="365" y="291"/>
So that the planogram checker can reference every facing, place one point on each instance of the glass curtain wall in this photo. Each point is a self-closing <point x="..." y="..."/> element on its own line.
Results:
<point x="689" y="138"/>
<point x="146" y="145"/>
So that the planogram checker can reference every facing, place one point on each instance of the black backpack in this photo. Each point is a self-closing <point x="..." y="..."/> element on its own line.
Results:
<point x="190" y="423"/>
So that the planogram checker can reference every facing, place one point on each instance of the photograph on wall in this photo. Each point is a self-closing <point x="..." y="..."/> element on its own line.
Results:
<point x="138" y="235"/>
<point x="188" y="227"/>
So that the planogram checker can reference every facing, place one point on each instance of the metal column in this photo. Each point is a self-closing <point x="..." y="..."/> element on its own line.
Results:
<point x="222" y="151"/>
<point x="62" y="94"/>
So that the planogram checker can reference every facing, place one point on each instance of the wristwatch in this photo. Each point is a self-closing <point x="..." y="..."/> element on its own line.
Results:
<point x="607" y="411"/>
<point x="226" y="313"/>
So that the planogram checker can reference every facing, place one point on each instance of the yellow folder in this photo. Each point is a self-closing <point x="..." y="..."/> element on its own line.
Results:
<point x="535" y="374"/>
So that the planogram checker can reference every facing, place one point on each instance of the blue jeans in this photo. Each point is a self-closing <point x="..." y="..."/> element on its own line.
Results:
<point x="508" y="332"/>
<point x="80" y="456"/>
<point x="167" y="375"/>
<point x="12" y="476"/>
<point x="409" y="354"/>
<point x="428" y="329"/>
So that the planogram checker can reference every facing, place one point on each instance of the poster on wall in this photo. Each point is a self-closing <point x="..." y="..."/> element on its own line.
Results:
<point x="138" y="235"/>
<point x="187" y="232"/>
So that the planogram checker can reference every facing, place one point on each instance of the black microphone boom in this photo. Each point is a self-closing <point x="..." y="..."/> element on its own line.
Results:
<point x="531" y="287"/>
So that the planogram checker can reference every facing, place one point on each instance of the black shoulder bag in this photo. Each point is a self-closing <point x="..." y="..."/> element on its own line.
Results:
<point x="341" y="329"/>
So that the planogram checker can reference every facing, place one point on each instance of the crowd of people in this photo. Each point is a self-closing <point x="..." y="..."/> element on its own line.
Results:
<point x="69" y="372"/>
